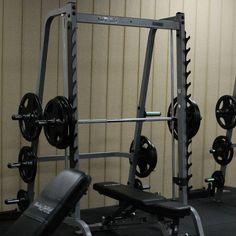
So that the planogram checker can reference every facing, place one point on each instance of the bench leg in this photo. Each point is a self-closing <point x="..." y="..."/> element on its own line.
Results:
<point x="197" y="222"/>
<point x="175" y="227"/>
<point x="170" y="227"/>
<point x="84" y="228"/>
<point x="119" y="213"/>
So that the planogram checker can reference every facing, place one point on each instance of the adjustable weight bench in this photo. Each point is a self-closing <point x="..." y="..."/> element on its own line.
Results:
<point x="149" y="202"/>
<point x="46" y="213"/>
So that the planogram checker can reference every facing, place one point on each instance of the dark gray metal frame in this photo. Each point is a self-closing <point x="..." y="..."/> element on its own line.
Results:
<point x="70" y="21"/>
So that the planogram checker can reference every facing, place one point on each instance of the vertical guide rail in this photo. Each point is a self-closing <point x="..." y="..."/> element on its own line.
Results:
<point x="172" y="111"/>
<point x="65" y="68"/>
<point x="64" y="54"/>
<point x="141" y="105"/>
<point x="73" y="88"/>
<point x="181" y="109"/>
<point x="41" y="75"/>
<point x="44" y="49"/>
<point x="72" y="80"/>
<point x="40" y="88"/>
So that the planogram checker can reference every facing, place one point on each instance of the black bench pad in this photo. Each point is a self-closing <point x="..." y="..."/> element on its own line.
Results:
<point x="125" y="193"/>
<point x="169" y="208"/>
<point x="146" y="201"/>
<point x="54" y="203"/>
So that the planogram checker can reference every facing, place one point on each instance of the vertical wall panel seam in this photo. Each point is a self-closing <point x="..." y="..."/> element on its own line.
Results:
<point x="21" y="69"/>
<point x="1" y="94"/>
<point x="21" y="49"/>
<point x="220" y="47"/>
<point x="106" y="91"/>
<point x="232" y="52"/>
<point x="194" y="46"/>
<point x="40" y="45"/>
<point x="205" y="94"/>
<point x="139" y="56"/>
<point x="122" y="92"/>
<point x="221" y="13"/>
<point x="107" y="82"/>
<point x="59" y="33"/>
<point x="218" y="74"/>
<point x="90" y="105"/>
<point x="57" y="71"/>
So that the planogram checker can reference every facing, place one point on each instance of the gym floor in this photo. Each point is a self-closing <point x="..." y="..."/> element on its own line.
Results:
<point x="218" y="219"/>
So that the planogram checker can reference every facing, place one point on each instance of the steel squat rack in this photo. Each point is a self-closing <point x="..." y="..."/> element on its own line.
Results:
<point x="70" y="18"/>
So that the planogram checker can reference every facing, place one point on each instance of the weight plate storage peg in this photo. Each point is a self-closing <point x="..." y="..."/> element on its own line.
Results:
<point x="225" y="112"/>
<point x="29" y="111"/>
<point x="222" y="150"/>
<point x="58" y="132"/>
<point x="193" y="118"/>
<point x="147" y="157"/>
<point x="27" y="164"/>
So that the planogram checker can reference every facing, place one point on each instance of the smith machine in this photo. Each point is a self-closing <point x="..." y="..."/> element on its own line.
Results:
<point x="60" y="119"/>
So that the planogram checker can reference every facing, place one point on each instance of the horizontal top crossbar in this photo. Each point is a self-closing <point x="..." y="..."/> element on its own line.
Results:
<point x="167" y="23"/>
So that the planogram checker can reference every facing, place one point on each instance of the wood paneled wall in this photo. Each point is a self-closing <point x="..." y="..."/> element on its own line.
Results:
<point x="110" y="64"/>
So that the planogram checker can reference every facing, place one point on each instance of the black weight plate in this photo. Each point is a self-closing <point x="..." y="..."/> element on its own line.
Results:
<point x="225" y="112"/>
<point x="175" y="123"/>
<point x="70" y="128"/>
<point x="193" y="118"/>
<point x="147" y="157"/>
<point x="28" y="167"/>
<point x="31" y="108"/>
<point x="222" y="150"/>
<point x="57" y="132"/>
<point x="219" y="179"/>
<point x="24" y="201"/>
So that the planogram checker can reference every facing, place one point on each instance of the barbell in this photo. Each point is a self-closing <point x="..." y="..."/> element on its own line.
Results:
<point x="122" y="120"/>
<point x="58" y="120"/>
